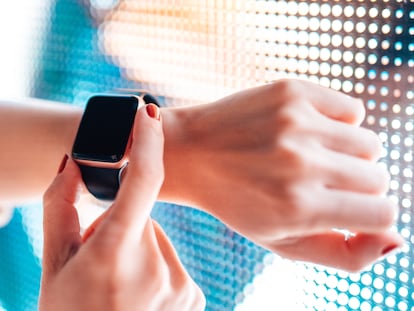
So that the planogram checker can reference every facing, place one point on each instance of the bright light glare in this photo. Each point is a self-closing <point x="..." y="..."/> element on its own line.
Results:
<point x="280" y="286"/>
<point x="19" y="38"/>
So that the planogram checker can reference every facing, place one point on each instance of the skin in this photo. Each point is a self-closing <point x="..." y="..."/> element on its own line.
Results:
<point x="282" y="164"/>
<point x="126" y="262"/>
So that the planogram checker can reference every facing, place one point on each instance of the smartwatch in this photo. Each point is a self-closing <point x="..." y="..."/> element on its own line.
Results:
<point x="103" y="140"/>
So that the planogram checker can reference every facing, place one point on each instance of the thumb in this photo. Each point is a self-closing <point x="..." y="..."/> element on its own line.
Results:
<point x="145" y="173"/>
<point x="61" y="227"/>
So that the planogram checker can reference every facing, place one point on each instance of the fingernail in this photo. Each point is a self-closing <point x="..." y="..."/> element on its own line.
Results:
<point x="389" y="249"/>
<point x="153" y="111"/>
<point x="63" y="164"/>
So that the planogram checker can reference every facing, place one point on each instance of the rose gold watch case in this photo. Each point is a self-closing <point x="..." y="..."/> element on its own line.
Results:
<point x="121" y="164"/>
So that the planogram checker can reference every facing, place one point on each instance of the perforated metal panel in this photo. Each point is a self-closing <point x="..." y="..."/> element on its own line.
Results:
<point x="190" y="51"/>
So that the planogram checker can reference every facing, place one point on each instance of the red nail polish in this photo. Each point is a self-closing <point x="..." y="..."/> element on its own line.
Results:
<point x="63" y="164"/>
<point x="153" y="111"/>
<point x="88" y="234"/>
<point x="389" y="249"/>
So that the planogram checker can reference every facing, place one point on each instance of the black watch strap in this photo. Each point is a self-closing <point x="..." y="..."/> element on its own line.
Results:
<point x="103" y="183"/>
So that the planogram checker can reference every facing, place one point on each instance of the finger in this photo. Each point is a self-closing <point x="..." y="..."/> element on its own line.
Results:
<point x="333" y="104"/>
<point x="177" y="271"/>
<point x="333" y="250"/>
<point x="180" y="280"/>
<point x="356" y="212"/>
<point x="143" y="179"/>
<point x="355" y="141"/>
<point x="355" y="174"/>
<point x="60" y="219"/>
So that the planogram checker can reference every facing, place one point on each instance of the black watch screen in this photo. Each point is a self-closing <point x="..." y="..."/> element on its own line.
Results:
<point x="105" y="128"/>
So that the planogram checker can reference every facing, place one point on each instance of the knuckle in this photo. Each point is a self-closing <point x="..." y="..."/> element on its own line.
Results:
<point x="383" y="180"/>
<point x="375" y="143"/>
<point x="295" y="158"/>
<point x="360" y="111"/>
<point x="374" y="137"/>
<point x="297" y="202"/>
<point x="286" y="88"/>
<point x="302" y="204"/>
<point x="305" y="207"/>
<point x="386" y="214"/>
<point x="291" y="120"/>
<point x="295" y="199"/>
<point x="287" y="118"/>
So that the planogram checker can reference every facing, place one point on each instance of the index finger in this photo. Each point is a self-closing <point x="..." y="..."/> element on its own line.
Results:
<point x="331" y="103"/>
<point x="61" y="226"/>
<point x="141" y="185"/>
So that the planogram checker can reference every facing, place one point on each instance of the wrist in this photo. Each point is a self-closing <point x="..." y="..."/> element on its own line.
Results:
<point x="179" y="155"/>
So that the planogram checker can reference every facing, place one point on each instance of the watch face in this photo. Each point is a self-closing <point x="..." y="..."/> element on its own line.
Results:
<point x="105" y="127"/>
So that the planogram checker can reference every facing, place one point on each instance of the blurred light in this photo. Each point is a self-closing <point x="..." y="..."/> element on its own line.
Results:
<point x="189" y="52"/>
<point x="19" y="40"/>
<point x="104" y="4"/>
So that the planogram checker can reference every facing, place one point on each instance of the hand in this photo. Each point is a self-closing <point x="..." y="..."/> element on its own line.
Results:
<point x="125" y="261"/>
<point x="283" y="164"/>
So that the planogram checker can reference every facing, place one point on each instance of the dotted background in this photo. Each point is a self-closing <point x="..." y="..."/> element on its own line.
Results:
<point x="191" y="52"/>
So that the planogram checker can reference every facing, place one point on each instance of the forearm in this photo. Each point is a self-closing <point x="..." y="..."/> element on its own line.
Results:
<point x="35" y="134"/>
<point x="180" y="155"/>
